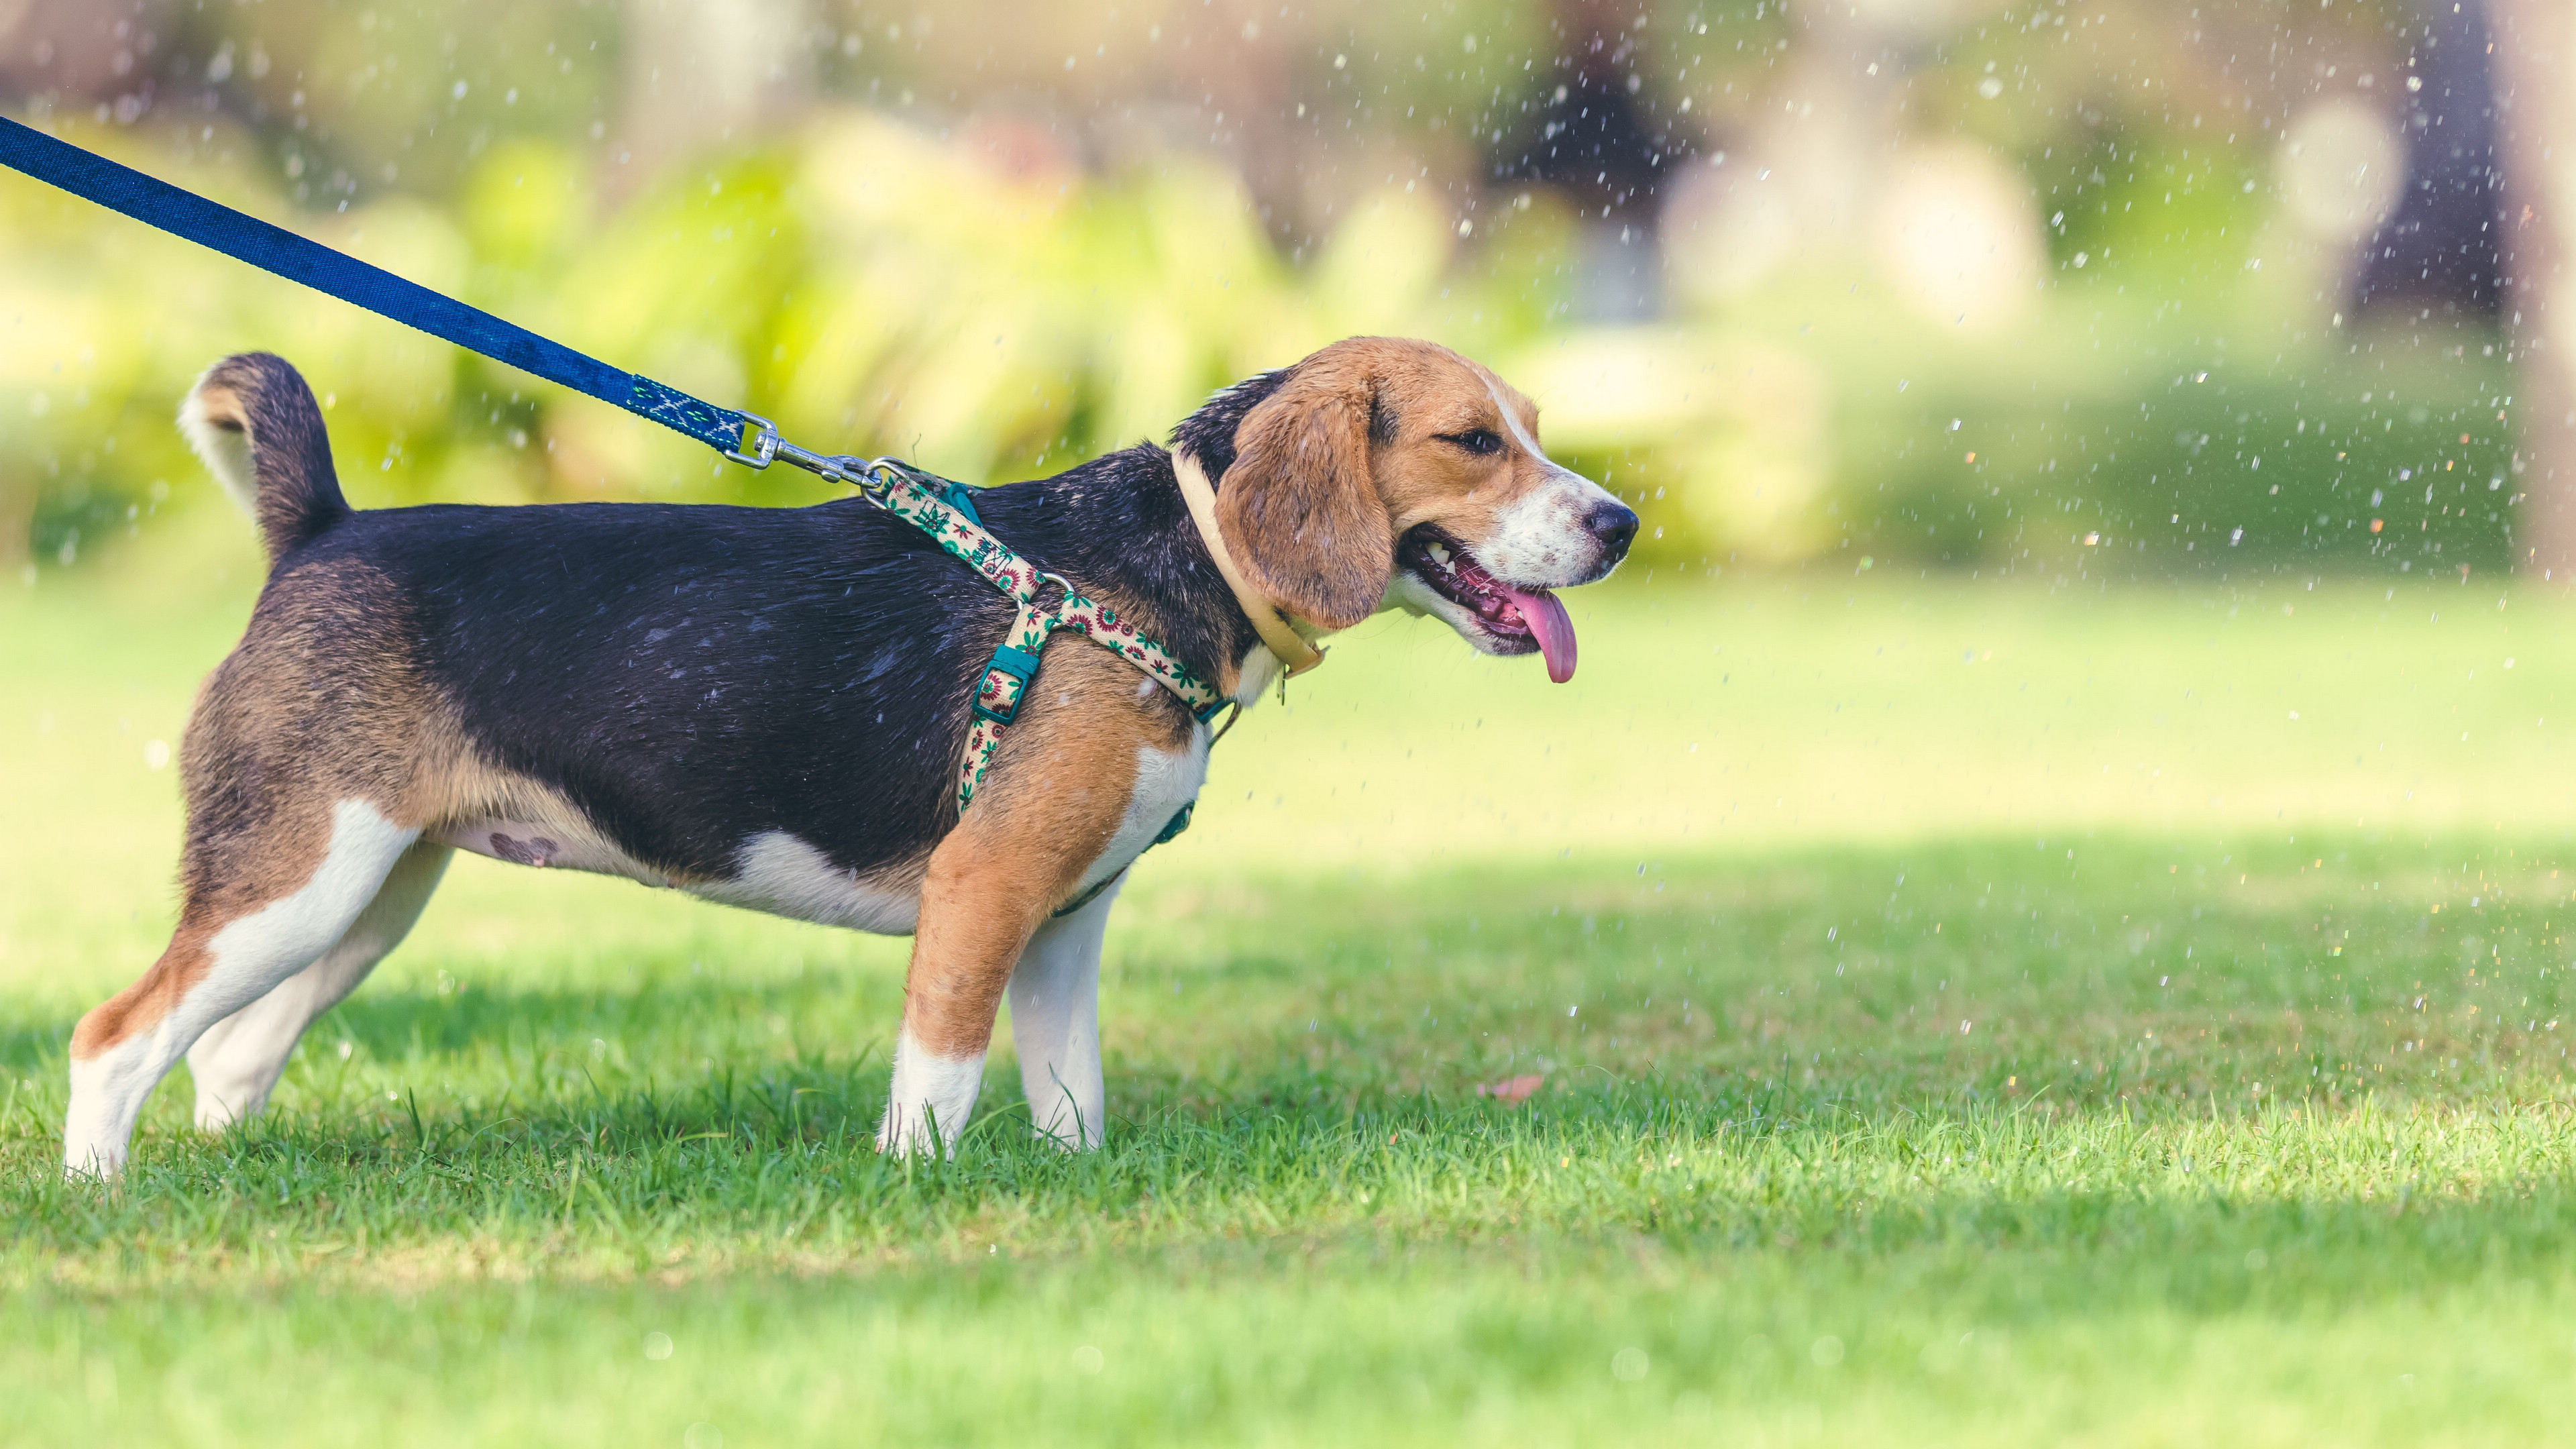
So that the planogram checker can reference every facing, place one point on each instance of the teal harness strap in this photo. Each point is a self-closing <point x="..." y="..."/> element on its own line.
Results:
<point x="1005" y="680"/>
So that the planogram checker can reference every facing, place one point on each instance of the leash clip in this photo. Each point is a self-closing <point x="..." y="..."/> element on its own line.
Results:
<point x="764" y="443"/>
<point x="868" y="475"/>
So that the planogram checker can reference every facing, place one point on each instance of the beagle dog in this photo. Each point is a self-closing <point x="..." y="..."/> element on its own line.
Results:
<point x="765" y="707"/>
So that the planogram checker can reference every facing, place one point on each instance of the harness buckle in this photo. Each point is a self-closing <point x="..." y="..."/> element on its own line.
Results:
<point x="764" y="443"/>
<point x="1006" y="679"/>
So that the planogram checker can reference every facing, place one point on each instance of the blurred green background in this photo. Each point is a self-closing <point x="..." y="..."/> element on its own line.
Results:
<point x="2057" y="290"/>
<point x="2075" y="443"/>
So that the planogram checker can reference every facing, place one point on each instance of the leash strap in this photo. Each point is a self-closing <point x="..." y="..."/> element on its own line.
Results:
<point x="274" y="249"/>
<point x="944" y="510"/>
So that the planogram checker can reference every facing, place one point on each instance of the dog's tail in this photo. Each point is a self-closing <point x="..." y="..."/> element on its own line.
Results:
<point x="255" y="423"/>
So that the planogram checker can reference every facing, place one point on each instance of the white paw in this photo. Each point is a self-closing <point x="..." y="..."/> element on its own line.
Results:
<point x="217" y="1114"/>
<point x="929" y="1100"/>
<point x="912" y="1134"/>
<point x="92" y="1164"/>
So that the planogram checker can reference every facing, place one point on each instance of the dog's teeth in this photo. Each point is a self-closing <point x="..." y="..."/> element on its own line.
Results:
<point x="1440" y="556"/>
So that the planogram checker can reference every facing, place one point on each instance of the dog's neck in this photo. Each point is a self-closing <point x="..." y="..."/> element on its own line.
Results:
<point x="1287" y="644"/>
<point x="1119" y="529"/>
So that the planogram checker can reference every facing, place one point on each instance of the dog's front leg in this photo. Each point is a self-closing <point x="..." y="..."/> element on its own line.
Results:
<point x="979" y="902"/>
<point x="1055" y="1023"/>
<point x="1058" y="793"/>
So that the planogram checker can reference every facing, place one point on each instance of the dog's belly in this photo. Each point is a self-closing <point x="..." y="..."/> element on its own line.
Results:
<point x="773" y="872"/>
<point x="783" y="875"/>
<point x="546" y="845"/>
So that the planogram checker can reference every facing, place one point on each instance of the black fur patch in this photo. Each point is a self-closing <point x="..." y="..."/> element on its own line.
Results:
<point x="1208" y="434"/>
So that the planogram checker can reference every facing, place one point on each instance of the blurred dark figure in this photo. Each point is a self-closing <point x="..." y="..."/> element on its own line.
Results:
<point x="2440" y="250"/>
<point x="1588" y="130"/>
<point x="98" y="58"/>
<point x="78" y="53"/>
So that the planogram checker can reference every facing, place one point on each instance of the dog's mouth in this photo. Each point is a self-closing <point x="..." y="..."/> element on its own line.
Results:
<point x="1513" y="620"/>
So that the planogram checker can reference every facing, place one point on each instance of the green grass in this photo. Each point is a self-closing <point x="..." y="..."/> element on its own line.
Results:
<point x="1969" y="1016"/>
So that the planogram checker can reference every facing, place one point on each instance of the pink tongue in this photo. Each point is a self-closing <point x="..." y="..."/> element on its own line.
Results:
<point x="1547" y="619"/>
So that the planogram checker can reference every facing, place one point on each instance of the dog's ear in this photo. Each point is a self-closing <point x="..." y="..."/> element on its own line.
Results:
<point x="1299" y="507"/>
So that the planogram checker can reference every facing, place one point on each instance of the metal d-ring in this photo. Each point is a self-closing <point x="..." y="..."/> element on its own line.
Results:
<point x="1061" y="582"/>
<point x="764" y="443"/>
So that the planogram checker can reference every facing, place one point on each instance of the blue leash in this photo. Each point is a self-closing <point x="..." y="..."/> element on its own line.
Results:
<point x="274" y="249"/>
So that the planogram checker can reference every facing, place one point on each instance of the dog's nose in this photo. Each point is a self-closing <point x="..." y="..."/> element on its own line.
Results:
<point x="1615" y="525"/>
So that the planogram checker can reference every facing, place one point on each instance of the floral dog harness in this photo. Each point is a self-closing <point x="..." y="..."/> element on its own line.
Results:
<point x="946" y="511"/>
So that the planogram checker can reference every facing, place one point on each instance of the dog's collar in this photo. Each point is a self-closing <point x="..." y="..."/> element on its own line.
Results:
<point x="1268" y="619"/>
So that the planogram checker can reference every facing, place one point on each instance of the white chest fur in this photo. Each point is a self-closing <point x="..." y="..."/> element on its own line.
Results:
<point x="1166" y="780"/>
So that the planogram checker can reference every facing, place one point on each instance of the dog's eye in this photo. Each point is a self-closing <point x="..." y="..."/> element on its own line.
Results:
<point x="1479" y="441"/>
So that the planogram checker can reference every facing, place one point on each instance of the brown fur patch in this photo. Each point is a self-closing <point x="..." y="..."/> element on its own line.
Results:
<point x="319" y="703"/>
<point x="1299" y="500"/>
<point x="1058" y="791"/>
<point x="452" y="782"/>
<point x="138" y="1007"/>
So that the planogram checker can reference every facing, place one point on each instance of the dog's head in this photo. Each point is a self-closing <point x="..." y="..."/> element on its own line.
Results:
<point x="1384" y="472"/>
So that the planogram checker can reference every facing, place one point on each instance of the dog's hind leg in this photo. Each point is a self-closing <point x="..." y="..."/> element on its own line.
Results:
<point x="1055" y="1024"/>
<point x="285" y="898"/>
<point x="237" y="1062"/>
